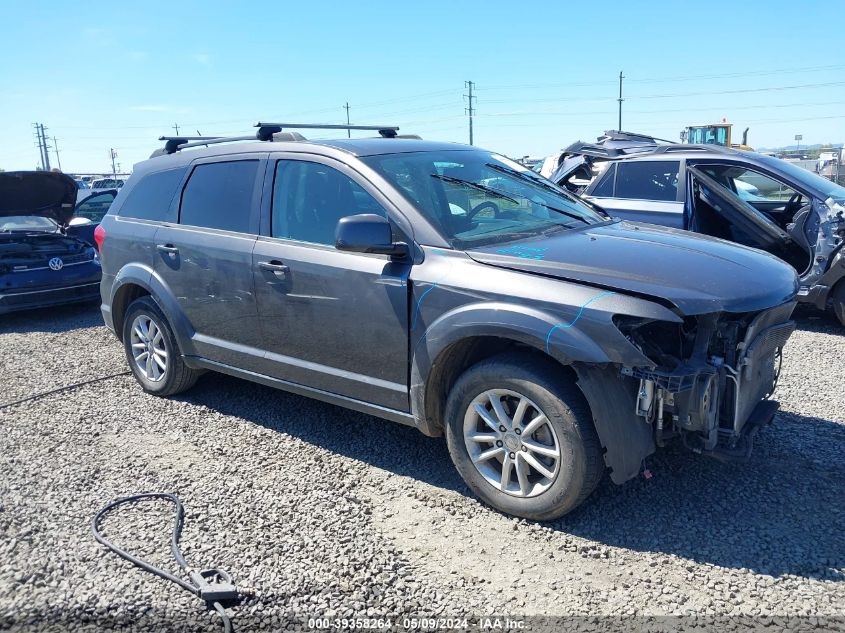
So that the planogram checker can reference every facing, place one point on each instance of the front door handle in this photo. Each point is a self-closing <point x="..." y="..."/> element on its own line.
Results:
<point x="275" y="267"/>
<point x="167" y="248"/>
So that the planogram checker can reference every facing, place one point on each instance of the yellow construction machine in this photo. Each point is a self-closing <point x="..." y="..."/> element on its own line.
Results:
<point x="714" y="134"/>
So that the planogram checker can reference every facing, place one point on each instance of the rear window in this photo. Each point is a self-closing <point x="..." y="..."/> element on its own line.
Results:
<point x="150" y="198"/>
<point x="219" y="196"/>
<point x="647" y="180"/>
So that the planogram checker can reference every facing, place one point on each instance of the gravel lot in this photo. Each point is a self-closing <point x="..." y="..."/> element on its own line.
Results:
<point x="326" y="512"/>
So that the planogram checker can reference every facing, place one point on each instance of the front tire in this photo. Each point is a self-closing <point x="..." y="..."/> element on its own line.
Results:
<point x="152" y="352"/>
<point x="522" y="437"/>
<point x="838" y="301"/>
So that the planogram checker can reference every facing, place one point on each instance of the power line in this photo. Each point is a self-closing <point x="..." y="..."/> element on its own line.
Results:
<point x="741" y="90"/>
<point x="678" y="78"/>
<point x="525" y="113"/>
<point x="672" y="95"/>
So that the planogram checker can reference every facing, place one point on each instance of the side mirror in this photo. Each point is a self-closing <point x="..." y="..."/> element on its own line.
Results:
<point x="368" y="233"/>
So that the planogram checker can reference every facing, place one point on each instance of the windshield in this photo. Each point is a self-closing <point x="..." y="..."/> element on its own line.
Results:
<point x="827" y="188"/>
<point x="708" y="135"/>
<point x="27" y="223"/>
<point x="476" y="198"/>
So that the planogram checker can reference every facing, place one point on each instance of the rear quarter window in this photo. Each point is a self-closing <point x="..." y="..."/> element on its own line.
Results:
<point x="150" y="199"/>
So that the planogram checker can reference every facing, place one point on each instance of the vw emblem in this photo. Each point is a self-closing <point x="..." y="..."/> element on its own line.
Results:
<point x="56" y="263"/>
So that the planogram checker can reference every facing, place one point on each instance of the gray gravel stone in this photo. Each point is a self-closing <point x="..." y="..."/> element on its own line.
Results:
<point x="325" y="512"/>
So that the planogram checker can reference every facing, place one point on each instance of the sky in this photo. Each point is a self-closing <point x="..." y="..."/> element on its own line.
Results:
<point x="119" y="75"/>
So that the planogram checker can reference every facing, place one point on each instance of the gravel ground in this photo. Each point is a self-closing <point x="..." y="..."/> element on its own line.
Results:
<point x="327" y="512"/>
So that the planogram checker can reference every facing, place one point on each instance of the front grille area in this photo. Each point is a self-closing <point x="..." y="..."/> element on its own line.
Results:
<point x="709" y="373"/>
<point x="757" y="368"/>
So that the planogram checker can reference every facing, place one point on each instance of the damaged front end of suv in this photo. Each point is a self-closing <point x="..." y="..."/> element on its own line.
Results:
<point x="712" y="378"/>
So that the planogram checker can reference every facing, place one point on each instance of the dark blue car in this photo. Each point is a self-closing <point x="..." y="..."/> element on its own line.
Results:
<point x="47" y="251"/>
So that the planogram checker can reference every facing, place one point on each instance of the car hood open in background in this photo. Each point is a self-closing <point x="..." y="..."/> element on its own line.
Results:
<point x="697" y="274"/>
<point x="41" y="193"/>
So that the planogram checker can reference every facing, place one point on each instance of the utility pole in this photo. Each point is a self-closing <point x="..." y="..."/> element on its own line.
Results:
<point x="348" y="132"/>
<point x="176" y="127"/>
<point x="469" y="110"/>
<point x="56" y="147"/>
<point x="46" y="148"/>
<point x="37" y="127"/>
<point x="621" y="77"/>
<point x="113" y="155"/>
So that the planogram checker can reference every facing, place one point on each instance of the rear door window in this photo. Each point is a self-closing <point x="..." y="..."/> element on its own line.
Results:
<point x="647" y="180"/>
<point x="220" y="196"/>
<point x="150" y="199"/>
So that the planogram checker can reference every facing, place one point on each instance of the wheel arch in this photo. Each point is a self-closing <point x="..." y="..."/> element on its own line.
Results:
<point x="136" y="281"/>
<point x="461" y="339"/>
<point x="469" y="334"/>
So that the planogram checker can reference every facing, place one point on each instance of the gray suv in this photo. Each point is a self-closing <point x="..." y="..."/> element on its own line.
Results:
<point x="448" y="288"/>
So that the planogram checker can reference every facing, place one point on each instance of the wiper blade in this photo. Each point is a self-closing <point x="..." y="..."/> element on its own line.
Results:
<point x="534" y="180"/>
<point x="475" y="185"/>
<point x="540" y="183"/>
<point x="574" y="216"/>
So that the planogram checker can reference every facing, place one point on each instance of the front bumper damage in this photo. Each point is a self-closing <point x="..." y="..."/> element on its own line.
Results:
<point x="718" y="398"/>
<point x="709" y="388"/>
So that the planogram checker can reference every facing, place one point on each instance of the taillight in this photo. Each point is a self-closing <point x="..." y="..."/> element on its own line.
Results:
<point x="99" y="236"/>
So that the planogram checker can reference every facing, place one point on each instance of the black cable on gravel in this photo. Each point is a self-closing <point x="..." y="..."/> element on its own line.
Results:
<point x="75" y="385"/>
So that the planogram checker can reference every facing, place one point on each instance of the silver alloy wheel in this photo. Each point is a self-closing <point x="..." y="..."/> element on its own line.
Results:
<point x="148" y="348"/>
<point x="511" y="443"/>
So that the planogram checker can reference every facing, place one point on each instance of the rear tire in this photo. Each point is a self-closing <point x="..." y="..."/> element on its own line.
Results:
<point x="152" y="352"/>
<point x="550" y="448"/>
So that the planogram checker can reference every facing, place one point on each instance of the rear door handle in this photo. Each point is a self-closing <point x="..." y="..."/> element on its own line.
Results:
<point x="167" y="248"/>
<point x="275" y="267"/>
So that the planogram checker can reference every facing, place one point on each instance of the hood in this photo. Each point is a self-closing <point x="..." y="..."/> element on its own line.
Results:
<point x="698" y="274"/>
<point x="48" y="194"/>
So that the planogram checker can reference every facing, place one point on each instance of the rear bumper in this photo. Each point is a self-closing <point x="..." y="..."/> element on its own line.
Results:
<point x="14" y="300"/>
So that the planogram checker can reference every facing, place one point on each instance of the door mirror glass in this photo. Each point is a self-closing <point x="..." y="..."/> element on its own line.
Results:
<point x="367" y="233"/>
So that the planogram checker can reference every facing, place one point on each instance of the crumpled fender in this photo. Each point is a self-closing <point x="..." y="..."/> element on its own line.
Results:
<point x="573" y="340"/>
<point x="627" y="438"/>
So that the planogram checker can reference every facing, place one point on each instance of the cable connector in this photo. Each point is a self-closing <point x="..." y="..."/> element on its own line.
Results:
<point x="220" y="589"/>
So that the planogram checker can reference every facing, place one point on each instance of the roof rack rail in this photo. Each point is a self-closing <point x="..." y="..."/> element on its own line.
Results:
<point x="265" y="132"/>
<point x="265" y="129"/>
<point x="172" y="143"/>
